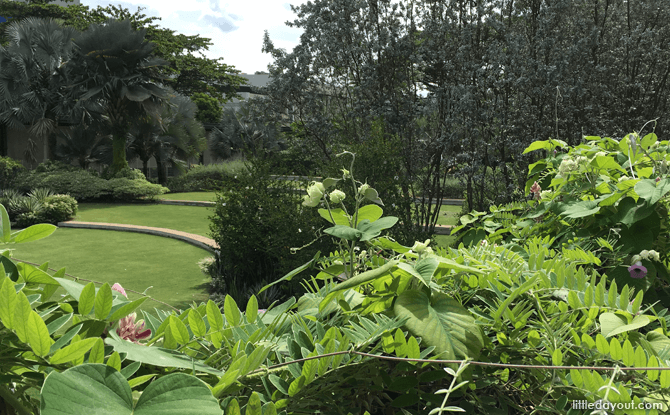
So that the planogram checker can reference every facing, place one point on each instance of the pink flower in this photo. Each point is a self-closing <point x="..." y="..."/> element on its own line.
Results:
<point x="119" y="288"/>
<point x="535" y="189"/>
<point x="132" y="331"/>
<point x="637" y="270"/>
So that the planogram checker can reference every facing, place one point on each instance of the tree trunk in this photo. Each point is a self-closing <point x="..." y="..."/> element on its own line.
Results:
<point x="162" y="176"/>
<point x="119" y="152"/>
<point x="145" y="167"/>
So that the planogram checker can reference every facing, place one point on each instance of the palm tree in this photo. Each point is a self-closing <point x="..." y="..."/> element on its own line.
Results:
<point x="85" y="144"/>
<point x="179" y="138"/>
<point x="31" y="78"/>
<point x="244" y="130"/>
<point x="114" y="67"/>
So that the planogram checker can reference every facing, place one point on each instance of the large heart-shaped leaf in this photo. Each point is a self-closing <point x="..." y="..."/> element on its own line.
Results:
<point x="440" y="321"/>
<point x="96" y="389"/>
<point x="373" y="229"/>
<point x="652" y="191"/>
<point x="369" y="212"/>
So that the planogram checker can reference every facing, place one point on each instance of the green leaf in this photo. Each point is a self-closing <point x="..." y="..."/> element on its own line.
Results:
<point x="612" y="324"/>
<point x="252" y="309"/>
<point x="103" y="302"/>
<point x="254" y="405"/>
<point x="338" y="214"/>
<point x="74" y="351"/>
<point x="214" y="316"/>
<point x="86" y="299"/>
<point x="557" y="358"/>
<point x="156" y="356"/>
<point x="126" y="309"/>
<point x="232" y="313"/>
<point x="601" y="344"/>
<point x="32" y="274"/>
<point x="35" y="232"/>
<point x="5" y="225"/>
<point x="179" y="330"/>
<point x="537" y="145"/>
<point x="372" y="195"/>
<point x="581" y="209"/>
<point x="293" y="273"/>
<point x="7" y="302"/>
<point x="38" y="335"/>
<point x="366" y="276"/>
<point x="422" y="270"/>
<point x="296" y="386"/>
<point x="97" y="354"/>
<point x="441" y="322"/>
<point x="373" y="229"/>
<point x="196" y="323"/>
<point x="114" y="360"/>
<point x="10" y="268"/>
<point x="651" y="191"/>
<point x="21" y="315"/>
<point x="108" y="392"/>
<point x="369" y="212"/>
<point x="344" y="232"/>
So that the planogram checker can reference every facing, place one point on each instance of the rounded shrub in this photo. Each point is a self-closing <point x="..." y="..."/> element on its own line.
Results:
<point x="9" y="170"/>
<point x="128" y="189"/>
<point x="58" y="208"/>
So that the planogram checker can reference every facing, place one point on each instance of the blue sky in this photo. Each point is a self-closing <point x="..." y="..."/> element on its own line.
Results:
<point x="235" y="27"/>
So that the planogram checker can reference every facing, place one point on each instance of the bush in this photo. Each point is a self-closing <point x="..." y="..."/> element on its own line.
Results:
<point x="51" y="166"/>
<point x="80" y="184"/>
<point x="124" y="173"/>
<point x="256" y="226"/>
<point x="206" y="177"/>
<point x="85" y="186"/>
<point x="58" y="208"/>
<point x="9" y="170"/>
<point x="127" y="189"/>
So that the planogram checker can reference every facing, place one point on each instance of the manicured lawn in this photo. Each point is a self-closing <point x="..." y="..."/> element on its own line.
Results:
<point x="192" y="219"/>
<point x="192" y="196"/>
<point x="449" y="215"/>
<point x="136" y="261"/>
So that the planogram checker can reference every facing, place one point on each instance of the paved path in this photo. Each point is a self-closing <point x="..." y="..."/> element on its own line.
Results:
<point x="197" y="240"/>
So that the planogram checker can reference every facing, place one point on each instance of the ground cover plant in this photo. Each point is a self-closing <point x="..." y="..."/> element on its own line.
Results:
<point x="369" y="300"/>
<point x="191" y="219"/>
<point x="168" y="266"/>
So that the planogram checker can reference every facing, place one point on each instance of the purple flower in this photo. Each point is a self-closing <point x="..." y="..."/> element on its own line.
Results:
<point x="637" y="270"/>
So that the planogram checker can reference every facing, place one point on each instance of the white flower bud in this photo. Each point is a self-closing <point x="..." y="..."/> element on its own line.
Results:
<point x="420" y="247"/>
<point x="363" y="188"/>
<point x="336" y="196"/>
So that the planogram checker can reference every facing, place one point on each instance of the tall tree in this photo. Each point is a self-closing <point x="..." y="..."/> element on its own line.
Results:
<point x="31" y="78"/>
<point x="114" y="66"/>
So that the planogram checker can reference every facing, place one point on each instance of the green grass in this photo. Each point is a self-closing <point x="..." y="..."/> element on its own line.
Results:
<point x="136" y="261"/>
<point x="449" y="215"/>
<point x="192" y="196"/>
<point x="192" y="219"/>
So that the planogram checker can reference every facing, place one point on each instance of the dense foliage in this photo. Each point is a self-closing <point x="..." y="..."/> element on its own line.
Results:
<point x="206" y="177"/>
<point x="257" y="222"/>
<point x="369" y="300"/>
<point x="467" y="85"/>
<point x="127" y="184"/>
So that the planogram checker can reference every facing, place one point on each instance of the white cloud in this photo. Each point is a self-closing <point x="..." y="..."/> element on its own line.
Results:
<point x="235" y="27"/>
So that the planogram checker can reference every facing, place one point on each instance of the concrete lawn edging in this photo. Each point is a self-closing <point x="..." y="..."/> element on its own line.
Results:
<point x="191" y="238"/>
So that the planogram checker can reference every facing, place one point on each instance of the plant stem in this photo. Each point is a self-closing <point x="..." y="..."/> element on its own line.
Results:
<point x="12" y="401"/>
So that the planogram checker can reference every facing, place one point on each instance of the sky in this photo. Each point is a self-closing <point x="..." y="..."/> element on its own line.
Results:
<point x="235" y="27"/>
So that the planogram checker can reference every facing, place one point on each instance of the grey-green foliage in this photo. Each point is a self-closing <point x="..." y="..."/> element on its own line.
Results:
<point x="471" y="85"/>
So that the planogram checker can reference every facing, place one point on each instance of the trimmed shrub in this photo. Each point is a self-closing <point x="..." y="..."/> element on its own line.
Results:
<point x="80" y="184"/>
<point x="9" y="170"/>
<point x="58" y="208"/>
<point x="127" y="189"/>
<point x="208" y="177"/>
<point x="125" y="173"/>
<point x="51" y="166"/>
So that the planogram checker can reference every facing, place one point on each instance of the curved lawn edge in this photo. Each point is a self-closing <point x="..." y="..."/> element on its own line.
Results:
<point x="191" y="238"/>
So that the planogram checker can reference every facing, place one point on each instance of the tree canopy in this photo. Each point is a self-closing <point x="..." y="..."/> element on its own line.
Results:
<point x="188" y="70"/>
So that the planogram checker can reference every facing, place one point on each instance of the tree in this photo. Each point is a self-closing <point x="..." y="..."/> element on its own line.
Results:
<point x="188" y="70"/>
<point x="244" y="130"/>
<point x="114" y="66"/>
<point x="84" y="144"/>
<point x="179" y="136"/>
<point x="209" y="108"/>
<point x="31" y="78"/>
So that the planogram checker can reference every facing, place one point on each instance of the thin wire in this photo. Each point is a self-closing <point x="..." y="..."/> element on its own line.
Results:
<point x="470" y="362"/>
<point x="100" y="283"/>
